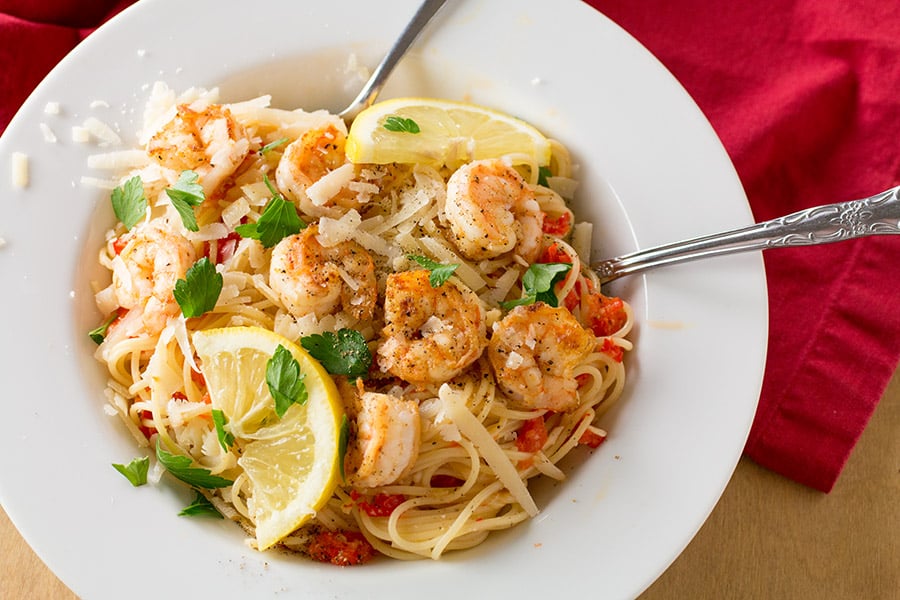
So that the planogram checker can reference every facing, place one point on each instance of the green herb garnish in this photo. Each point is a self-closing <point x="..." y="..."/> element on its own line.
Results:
<point x="135" y="471"/>
<point x="278" y="220"/>
<point x="285" y="380"/>
<point x="200" y="507"/>
<point x="181" y="467"/>
<point x="344" y="353"/>
<point x="538" y="282"/>
<point x="226" y="440"/>
<point x="401" y="124"/>
<point x="199" y="291"/>
<point x="99" y="334"/>
<point x="440" y="272"/>
<point x="185" y="195"/>
<point x="543" y="174"/>
<point x="129" y="202"/>
<point x="272" y="145"/>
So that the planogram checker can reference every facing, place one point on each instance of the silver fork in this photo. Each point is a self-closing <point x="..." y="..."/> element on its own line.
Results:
<point x="876" y="215"/>
<point x="381" y="73"/>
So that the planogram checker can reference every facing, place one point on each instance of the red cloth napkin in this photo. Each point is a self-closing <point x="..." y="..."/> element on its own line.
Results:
<point x="803" y="94"/>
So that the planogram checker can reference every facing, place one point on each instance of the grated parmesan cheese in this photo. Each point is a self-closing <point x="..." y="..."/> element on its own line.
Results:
<point x="335" y="231"/>
<point x="257" y="194"/>
<point x="328" y="186"/>
<point x="48" y="134"/>
<point x="234" y="212"/>
<point x="51" y="108"/>
<point x="209" y="232"/>
<point x="564" y="186"/>
<point x="466" y="273"/>
<point x="514" y="360"/>
<point x="582" y="233"/>
<point x="102" y="132"/>
<point x="80" y="135"/>
<point x="115" y="161"/>
<point x="20" y="169"/>
<point x="97" y="182"/>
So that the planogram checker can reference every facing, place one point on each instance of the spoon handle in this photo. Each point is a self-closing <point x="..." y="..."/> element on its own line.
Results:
<point x="876" y="215"/>
<point x="373" y="86"/>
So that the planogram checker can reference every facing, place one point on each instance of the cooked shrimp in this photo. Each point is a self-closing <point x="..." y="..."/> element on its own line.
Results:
<point x="387" y="439"/>
<point x="491" y="210"/>
<point x="154" y="257"/>
<point x="430" y="334"/>
<point x="313" y="279"/>
<point x="209" y="141"/>
<point x="534" y="350"/>
<point x="315" y="154"/>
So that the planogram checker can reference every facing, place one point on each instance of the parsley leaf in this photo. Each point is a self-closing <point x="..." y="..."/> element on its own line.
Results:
<point x="135" y="471"/>
<point x="278" y="220"/>
<point x="199" y="291"/>
<point x="99" y="334"/>
<point x="129" y="202"/>
<point x="401" y="124"/>
<point x="272" y="145"/>
<point x="344" y="353"/>
<point x="440" y="272"/>
<point x="540" y="278"/>
<point x="180" y="468"/>
<point x="343" y="441"/>
<point x="538" y="282"/>
<point x="285" y="380"/>
<point x="200" y="507"/>
<point x="226" y="439"/>
<point x="185" y="195"/>
<point x="543" y="174"/>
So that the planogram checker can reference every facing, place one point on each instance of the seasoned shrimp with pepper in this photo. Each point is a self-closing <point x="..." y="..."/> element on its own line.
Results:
<point x="302" y="170"/>
<point x="534" y="351"/>
<point x="153" y="258"/>
<point x="386" y="443"/>
<point x="208" y="141"/>
<point x="310" y="278"/>
<point x="491" y="210"/>
<point x="431" y="334"/>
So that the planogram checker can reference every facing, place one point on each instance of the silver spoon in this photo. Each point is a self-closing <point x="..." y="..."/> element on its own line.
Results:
<point x="373" y="86"/>
<point x="876" y="215"/>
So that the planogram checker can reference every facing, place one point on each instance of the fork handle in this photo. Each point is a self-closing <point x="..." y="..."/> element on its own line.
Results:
<point x="876" y="215"/>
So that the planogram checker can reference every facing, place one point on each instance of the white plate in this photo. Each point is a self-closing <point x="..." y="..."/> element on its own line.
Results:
<point x="627" y="510"/>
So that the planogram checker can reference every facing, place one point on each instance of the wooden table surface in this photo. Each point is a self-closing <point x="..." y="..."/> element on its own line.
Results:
<point x="767" y="538"/>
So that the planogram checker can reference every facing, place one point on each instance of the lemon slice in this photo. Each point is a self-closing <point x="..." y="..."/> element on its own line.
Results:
<point x="292" y="462"/>
<point x="449" y="133"/>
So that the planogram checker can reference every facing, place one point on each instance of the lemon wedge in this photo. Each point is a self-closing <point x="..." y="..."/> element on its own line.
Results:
<point x="441" y="132"/>
<point x="292" y="462"/>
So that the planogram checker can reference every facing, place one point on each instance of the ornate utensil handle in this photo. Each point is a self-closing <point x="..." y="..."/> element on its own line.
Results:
<point x="877" y="215"/>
